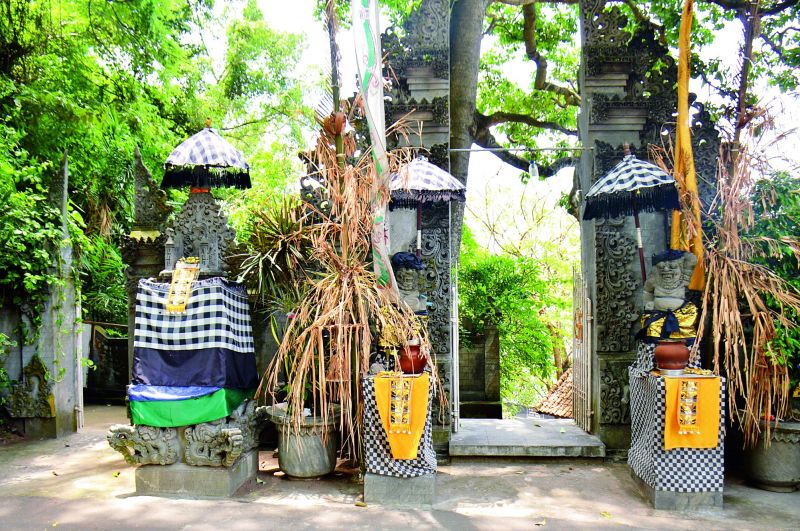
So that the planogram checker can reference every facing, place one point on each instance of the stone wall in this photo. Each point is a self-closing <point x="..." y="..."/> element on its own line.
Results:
<point x="479" y="374"/>
<point x="47" y="399"/>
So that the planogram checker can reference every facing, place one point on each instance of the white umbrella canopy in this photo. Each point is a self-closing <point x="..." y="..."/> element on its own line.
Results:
<point x="206" y="159"/>
<point x="419" y="181"/>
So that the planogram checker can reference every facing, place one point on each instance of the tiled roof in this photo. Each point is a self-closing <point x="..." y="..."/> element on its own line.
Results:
<point x="558" y="402"/>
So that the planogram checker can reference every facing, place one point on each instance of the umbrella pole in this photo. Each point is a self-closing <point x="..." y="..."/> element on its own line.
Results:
<point x="639" y="243"/>
<point x="419" y="230"/>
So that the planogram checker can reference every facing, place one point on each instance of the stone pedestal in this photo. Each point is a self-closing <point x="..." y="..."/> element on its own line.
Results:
<point x="390" y="491"/>
<point x="678" y="501"/>
<point x="180" y="479"/>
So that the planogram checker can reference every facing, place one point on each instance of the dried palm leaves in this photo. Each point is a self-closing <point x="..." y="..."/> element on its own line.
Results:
<point x="327" y="344"/>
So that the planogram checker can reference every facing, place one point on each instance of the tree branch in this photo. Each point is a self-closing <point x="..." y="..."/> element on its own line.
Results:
<point x="484" y="122"/>
<point x="745" y="5"/>
<point x="529" y="2"/>
<point x="485" y="139"/>
<point x="540" y="81"/>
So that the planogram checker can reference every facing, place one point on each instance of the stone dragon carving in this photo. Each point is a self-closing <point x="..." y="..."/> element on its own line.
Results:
<point x="144" y="445"/>
<point x="220" y="443"/>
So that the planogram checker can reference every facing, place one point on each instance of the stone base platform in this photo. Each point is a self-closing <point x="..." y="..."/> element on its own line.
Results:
<point x="523" y="437"/>
<point x="389" y="491"/>
<point x="678" y="501"/>
<point x="182" y="480"/>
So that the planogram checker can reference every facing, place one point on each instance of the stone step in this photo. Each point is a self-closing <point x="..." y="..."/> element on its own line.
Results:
<point x="523" y="437"/>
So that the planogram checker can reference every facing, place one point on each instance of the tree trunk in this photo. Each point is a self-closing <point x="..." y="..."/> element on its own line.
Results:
<point x="466" y="32"/>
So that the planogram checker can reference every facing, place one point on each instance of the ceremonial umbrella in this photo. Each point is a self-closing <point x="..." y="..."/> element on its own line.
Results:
<point x="420" y="182"/>
<point x="206" y="159"/>
<point x="632" y="186"/>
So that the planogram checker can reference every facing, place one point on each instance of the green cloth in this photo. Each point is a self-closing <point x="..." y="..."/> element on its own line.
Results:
<point x="172" y="413"/>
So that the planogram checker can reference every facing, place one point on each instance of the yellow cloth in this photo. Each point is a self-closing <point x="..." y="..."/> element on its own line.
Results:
<point x="704" y="432"/>
<point x="402" y="402"/>
<point x="686" y="316"/>
<point x="181" y="286"/>
<point x="682" y="237"/>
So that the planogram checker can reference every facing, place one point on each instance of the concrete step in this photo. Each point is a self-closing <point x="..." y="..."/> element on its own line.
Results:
<point x="523" y="437"/>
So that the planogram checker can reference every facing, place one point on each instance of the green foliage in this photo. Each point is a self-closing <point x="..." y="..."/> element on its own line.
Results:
<point x="776" y="209"/>
<point x="104" y="296"/>
<point x="5" y="381"/>
<point x="511" y="293"/>
<point x="278" y="250"/>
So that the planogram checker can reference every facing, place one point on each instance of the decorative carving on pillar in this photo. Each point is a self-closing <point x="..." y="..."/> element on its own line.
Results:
<point x="425" y="41"/>
<point x="144" y="445"/>
<point x="150" y="202"/>
<point x="616" y="286"/>
<point x="29" y="401"/>
<point x="220" y="443"/>
<point x="614" y="393"/>
<point x="202" y="228"/>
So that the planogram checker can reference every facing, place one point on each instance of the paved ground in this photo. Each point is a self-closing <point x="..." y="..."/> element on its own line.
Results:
<point x="80" y="483"/>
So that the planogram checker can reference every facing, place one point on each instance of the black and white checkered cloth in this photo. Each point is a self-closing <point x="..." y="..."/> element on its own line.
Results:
<point x="377" y="452"/>
<point x="206" y="148"/>
<point x="631" y="186"/>
<point x="217" y="316"/>
<point x="677" y="470"/>
<point x="422" y="182"/>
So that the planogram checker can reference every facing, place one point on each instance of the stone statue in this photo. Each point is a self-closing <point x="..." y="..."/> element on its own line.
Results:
<point x="667" y="313"/>
<point x="144" y="445"/>
<point x="665" y="289"/>
<point x="406" y="271"/>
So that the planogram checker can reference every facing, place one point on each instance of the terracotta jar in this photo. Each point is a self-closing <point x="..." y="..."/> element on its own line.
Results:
<point x="672" y="354"/>
<point x="411" y="359"/>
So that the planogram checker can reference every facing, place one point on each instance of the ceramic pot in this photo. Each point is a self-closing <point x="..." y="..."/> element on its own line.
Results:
<point x="306" y="453"/>
<point x="776" y="468"/>
<point x="411" y="360"/>
<point x="672" y="355"/>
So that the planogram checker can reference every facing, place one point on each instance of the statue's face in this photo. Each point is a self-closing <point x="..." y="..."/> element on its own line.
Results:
<point x="670" y="273"/>
<point x="406" y="279"/>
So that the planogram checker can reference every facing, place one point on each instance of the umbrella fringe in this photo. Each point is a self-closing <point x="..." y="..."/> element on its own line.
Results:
<point x="412" y="198"/>
<point x="663" y="197"/>
<point x="202" y="176"/>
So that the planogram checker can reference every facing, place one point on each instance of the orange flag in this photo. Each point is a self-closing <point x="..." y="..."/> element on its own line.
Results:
<point x="687" y="234"/>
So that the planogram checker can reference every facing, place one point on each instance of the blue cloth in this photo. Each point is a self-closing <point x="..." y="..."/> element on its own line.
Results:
<point x="160" y="393"/>
<point x="206" y="367"/>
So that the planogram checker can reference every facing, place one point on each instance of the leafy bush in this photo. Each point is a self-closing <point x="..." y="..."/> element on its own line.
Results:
<point x="510" y="293"/>
<point x="102" y="273"/>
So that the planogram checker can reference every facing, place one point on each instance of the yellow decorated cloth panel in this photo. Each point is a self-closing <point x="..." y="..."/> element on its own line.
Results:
<point x="402" y="402"/>
<point x="693" y="412"/>
<point x="686" y="316"/>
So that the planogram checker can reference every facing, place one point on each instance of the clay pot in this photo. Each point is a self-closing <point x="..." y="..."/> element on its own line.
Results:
<point x="411" y="360"/>
<point x="672" y="355"/>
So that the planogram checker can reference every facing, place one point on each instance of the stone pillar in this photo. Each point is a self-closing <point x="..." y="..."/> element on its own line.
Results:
<point x="623" y="100"/>
<point x="143" y="248"/>
<point x="420" y="62"/>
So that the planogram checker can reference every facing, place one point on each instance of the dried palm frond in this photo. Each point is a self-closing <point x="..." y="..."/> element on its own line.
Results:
<point x="326" y="347"/>
<point x="745" y="301"/>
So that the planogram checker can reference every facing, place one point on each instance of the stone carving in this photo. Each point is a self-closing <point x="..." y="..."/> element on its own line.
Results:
<point x="614" y="393"/>
<point x="150" y="206"/>
<point x="200" y="229"/>
<point x="665" y="288"/>
<point x="616" y="286"/>
<point x="438" y="107"/>
<point x="429" y="26"/>
<point x="423" y="42"/>
<point x="220" y="443"/>
<point x="32" y="401"/>
<point x="144" y="445"/>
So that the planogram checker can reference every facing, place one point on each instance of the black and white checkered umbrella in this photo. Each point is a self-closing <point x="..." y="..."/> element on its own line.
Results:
<point x="419" y="181"/>
<point x="204" y="160"/>
<point x="632" y="186"/>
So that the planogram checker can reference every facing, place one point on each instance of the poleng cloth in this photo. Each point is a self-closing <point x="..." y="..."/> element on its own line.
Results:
<point x="669" y="324"/>
<point x="706" y="411"/>
<point x="402" y="402"/>
<point x="173" y="413"/>
<point x="217" y="316"/>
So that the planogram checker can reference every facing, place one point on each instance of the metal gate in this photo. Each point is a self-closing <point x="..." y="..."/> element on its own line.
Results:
<point x="581" y="352"/>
